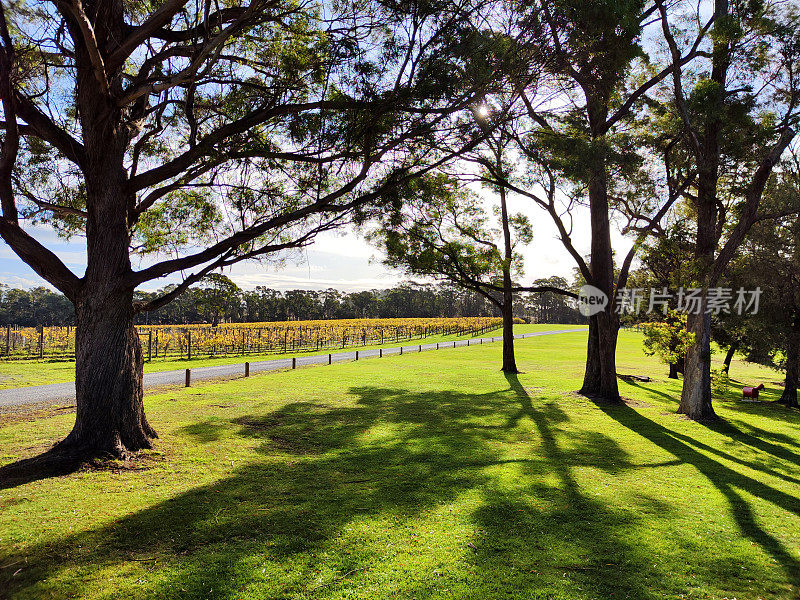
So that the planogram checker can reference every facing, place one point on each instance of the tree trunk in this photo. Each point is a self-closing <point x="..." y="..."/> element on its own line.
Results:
<point x="673" y="371"/>
<point x="726" y="364"/>
<point x="789" y="396"/>
<point x="591" y="374"/>
<point x="696" y="392"/>
<point x="509" y="361"/>
<point x="110" y="416"/>
<point x="608" y="333"/>
<point x="600" y="378"/>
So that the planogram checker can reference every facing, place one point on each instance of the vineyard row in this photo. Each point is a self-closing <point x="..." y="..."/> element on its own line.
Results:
<point x="203" y="341"/>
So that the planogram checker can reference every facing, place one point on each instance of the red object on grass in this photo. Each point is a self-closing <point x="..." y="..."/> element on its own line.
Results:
<point x="752" y="392"/>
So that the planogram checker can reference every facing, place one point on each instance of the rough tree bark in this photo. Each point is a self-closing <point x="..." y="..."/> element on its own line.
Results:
<point x="591" y="374"/>
<point x="509" y="361"/>
<point x="600" y="378"/>
<point x="110" y="416"/>
<point x="696" y="391"/>
<point x="789" y="396"/>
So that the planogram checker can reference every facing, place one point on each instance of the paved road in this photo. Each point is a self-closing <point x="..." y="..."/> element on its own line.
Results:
<point x="66" y="391"/>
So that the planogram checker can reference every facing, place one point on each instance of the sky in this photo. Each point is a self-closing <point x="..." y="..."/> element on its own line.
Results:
<point x="343" y="261"/>
<point x="339" y="260"/>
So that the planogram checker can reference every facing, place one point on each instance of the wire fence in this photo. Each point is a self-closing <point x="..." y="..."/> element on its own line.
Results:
<point x="204" y="341"/>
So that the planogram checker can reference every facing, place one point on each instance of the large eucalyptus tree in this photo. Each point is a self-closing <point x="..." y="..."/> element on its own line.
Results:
<point x="587" y="91"/>
<point x="183" y="136"/>
<point x="737" y="110"/>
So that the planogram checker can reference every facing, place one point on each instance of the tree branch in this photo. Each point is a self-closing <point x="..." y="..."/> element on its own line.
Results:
<point x="75" y="9"/>
<point x="48" y="131"/>
<point x="677" y="74"/>
<point x="46" y="264"/>
<point x="752" y="200"/>
<point x="180" y="163"/>
<point x="199" y="58"/>
<point x="10" y="145"/>
<point x="543" y="289"/>
<point x="157" y="19"/>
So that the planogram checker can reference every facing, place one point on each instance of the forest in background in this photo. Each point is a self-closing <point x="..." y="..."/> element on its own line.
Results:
<point x="219" y="300"/>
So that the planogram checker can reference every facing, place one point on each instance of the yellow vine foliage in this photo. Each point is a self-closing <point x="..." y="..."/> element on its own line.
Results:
<point x="163" y="341"/>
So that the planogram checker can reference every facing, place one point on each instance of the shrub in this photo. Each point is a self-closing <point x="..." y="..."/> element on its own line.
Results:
<point x="668" y="339"/>
<point x="720" y="383"/>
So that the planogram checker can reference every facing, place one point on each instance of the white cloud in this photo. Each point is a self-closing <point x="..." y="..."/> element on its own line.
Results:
<point x="17" y="281"/>
<point x="347" y="244"/>
<point x="341" y="260"/>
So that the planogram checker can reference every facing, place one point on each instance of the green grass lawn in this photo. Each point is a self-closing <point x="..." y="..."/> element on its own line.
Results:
<point x="21" y="373"/>
<point x="423" y="476"/>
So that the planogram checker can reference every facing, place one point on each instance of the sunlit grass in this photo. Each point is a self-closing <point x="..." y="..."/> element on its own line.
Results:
<point x="21" y="373"/>
<point x="424" y="476"/>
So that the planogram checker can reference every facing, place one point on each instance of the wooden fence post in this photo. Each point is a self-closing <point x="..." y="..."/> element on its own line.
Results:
<point x="330" y="358"/>
<point x="247" y="369"/>
<point x="188" y="377"/>
<point x="189" y="335"/>
<point x="294" y="362"/>
<point x="356" y="354"/>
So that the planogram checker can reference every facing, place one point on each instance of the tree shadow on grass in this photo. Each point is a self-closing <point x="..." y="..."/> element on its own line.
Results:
<point x="767" y="406"/>
<point x="754" y="440"/>
<point x="764" y="434"/>
<point x="43" y="466"/>
<point x="274" y="528"/>
<point x="208" y="431"/>
<point x="729" y="482"/>
<point x="276" y="523"/>
<point x="559" y="531"/>
<point x="56" y="462"/>
<point x="757" y="438"/>
<point x="654" y="393"/>
<point x="319" y="473"/>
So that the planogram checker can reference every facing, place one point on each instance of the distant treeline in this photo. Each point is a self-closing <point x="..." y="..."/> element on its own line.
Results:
<point x="218" y="300"/>
<point x="37" y="306"/>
